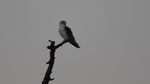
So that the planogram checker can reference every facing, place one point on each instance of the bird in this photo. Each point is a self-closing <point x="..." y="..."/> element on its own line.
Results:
<point x="66" y="33"/>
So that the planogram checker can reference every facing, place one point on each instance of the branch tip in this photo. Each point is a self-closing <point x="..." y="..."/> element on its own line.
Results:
<point x="51" y="41"/>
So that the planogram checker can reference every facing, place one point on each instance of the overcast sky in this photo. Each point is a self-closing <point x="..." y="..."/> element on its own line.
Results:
<point x="114" y="36"/>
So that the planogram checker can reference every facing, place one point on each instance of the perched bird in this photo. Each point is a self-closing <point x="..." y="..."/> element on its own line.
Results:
<point x="67" y="34"/>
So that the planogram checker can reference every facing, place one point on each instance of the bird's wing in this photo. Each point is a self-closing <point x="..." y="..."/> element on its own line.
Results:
<point x="71" y="37"/>
<point x="69" y="33"/>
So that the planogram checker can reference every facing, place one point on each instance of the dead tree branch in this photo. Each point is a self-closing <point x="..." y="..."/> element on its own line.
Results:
<point x="52" y="47"/>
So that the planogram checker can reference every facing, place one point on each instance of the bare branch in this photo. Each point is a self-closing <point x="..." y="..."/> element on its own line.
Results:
<point x="52" y="47"/>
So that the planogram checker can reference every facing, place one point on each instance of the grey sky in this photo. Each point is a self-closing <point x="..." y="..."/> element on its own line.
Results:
<point x="113" y="36"/>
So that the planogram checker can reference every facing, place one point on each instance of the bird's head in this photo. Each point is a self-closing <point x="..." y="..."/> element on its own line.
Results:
<point x="63" y="22"/>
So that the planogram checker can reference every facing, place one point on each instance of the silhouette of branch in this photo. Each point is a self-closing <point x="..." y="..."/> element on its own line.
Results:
<point x="52" y="47"/>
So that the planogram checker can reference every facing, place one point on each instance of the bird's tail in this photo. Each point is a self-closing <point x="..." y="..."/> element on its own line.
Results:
<point x="74" y="43"/>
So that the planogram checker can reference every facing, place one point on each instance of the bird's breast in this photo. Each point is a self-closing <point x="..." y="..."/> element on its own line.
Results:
<point x="63" y="33"/>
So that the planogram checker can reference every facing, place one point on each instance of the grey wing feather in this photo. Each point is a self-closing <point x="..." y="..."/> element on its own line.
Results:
<point x="69" y="32"/>
<point x="71" y="37"/>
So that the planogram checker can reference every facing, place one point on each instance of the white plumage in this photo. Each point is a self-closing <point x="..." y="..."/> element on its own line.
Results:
<point x="63" y="33"/>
